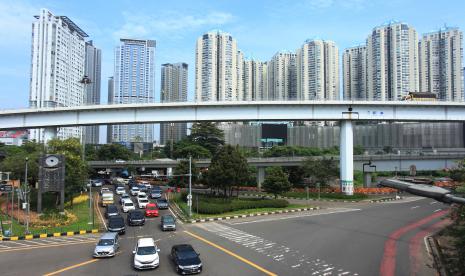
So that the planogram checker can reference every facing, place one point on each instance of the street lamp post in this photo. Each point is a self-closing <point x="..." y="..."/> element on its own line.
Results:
<point x="189" y="197"/>
<point x="26" y="197"/>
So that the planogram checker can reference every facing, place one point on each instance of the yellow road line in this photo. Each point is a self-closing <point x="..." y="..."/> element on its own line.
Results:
<point x="232" y="254"/>
<point x="71" y="267"/>
<point x="44" y="246"/>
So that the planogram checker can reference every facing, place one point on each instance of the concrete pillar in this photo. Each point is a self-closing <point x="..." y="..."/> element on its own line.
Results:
<point x="49" y="134"/>
<point x="347" y="157"/>
<point x="169" y="171"/>
<point x="260" y="177"/>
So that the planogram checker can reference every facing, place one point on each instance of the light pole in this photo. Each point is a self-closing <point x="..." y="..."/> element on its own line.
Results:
<point x="189" y="197"/>
<point x="26" y="197"/>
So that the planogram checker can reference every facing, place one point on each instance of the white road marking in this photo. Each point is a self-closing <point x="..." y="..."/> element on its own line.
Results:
<point x="437" y="210"/>
<point x="433" y="202"/>
<point x="179" y="221"/>
<point x="279" y="253"/>
<point x="335" y="211"/>
<point x="4" y="246"/>
<point x="405" y="200"/>
<point x="35" y="242"/>
<point x="414" y="207"/>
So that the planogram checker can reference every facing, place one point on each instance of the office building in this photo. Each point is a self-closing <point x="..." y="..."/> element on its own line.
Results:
<point x="57" y="67"/>
<point x="93" y="72"/>
<point x="173" y="89"/>
<point x="134" y="82"/>
<point x="282" y="76"/>
<point x="354" y="65"/>
<point x="110" y="95"/>
<point x="392" y="61"/>
<point x="441" y="64"/>
<point x="318" y="70"/>
<point x="216" y="67"/>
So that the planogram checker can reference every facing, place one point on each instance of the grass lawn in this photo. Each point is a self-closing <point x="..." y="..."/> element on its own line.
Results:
<point x="79" y="210"/>
<point x="183" y="206"/>
<point x="335" y="196"/>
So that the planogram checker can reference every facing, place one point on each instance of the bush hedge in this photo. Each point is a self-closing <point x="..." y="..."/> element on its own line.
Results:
<point x="217" y="205"/>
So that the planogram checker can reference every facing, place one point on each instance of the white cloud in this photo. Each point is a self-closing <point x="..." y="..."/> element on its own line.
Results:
<point x="142" y="25"/>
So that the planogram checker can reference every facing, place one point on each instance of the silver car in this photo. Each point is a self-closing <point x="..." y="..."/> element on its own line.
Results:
<point x="107" y="245"/>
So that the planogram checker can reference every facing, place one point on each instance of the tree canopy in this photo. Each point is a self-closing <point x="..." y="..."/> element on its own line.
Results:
<point x="181" y="172"/>
<point x="321" y="171"/>
<point x="113" y="152"/>
<point x="228" y="168"/>
<point x="207" y="135"/>
<point x="276" y="181"/>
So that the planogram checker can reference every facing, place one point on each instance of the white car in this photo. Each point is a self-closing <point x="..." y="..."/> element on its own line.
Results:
<point x="146" y="254"/>
<point x="104" y="190"/>
<point x="142" y="202"/>
<point x="128" y="205"/>
<point x="120" y="161"/>
<point x="142" y="195"/>
<point x="135" y="191"/>
<point x="124" y="197"/>
<point x="120" y="190"/>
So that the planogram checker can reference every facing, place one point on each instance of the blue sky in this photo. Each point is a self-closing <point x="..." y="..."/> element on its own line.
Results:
<point x="260" y="27"/>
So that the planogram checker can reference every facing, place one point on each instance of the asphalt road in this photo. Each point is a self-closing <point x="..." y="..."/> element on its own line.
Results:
<point x="344" y="239"/>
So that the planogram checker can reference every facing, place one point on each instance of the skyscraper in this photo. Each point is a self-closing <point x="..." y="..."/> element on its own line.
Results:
<point x="93" y="71"/>
<point x="354" y="65"/>
<point x="392" y="61"/>
<point x="216" y="67"/>
<point x="173" y="89"/>
<point x="318" y="70"/>
<point x="134" y="82"/>
<point x="441" y="65"/>
<point x="57" y="67"/>
<point x="282" y="76"/>
<point x="255" y="80"/>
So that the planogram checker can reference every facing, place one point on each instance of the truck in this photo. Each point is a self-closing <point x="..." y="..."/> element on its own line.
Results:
<point x="107" y="199"/>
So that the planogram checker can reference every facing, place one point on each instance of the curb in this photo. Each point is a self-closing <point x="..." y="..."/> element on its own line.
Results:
<point x="385" y="199"/>
<point x="42" y="236"/>
<point x="253" y="215"/>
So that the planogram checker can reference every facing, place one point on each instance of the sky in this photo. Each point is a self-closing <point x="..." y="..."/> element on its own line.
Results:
<point x="260" y="27"/>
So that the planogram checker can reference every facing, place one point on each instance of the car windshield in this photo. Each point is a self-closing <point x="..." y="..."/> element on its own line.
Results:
<point x="152" y="207"/>
<point x="143" y="201"/>
<point x="105" y="242"/>
<point x="137" y="215"/>
<point x="146" y="250"/>
<point x="129" y="204"/>
<point x="188" y="254"/>
<point x="168" y="220"/>
<point x="162" y="201"/>
<point x="116" y="221"/>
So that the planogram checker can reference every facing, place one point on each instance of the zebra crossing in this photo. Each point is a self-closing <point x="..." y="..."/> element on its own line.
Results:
<point x="6" y="246"/>
<point x="303" y="265"/>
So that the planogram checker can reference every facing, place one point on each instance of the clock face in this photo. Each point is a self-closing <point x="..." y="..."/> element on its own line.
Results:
<point x="52" y="161"/>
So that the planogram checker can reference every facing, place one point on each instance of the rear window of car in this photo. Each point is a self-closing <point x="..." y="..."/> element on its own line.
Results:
<point x="128" y="204"/>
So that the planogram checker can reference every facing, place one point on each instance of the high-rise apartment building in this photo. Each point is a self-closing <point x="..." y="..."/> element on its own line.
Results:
<point x="216" y="67"/>
<point x="57" y="67"/>
<point x="134" y="82"/>
<point x="282" y="76"/>
<point x="173" y="89"/>
<point x="392" y="61"/>
<point x="93" y="71"/>
<point x="441" y="64"/>
<point x="318" y="70"/>
<point x="240" y="76"/>
<point x="255" y="84"/>
<point x="354" y="65"/>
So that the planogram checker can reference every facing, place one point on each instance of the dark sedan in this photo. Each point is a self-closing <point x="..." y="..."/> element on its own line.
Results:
<point x="136" y="217"/>
<point x="185" y="259"/>
<point x="162" y="203"/>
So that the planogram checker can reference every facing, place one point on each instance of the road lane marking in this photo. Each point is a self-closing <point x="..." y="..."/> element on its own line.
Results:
<point x="414" y="207"/>
<point x="71" y="267"/>
<point x="336" y="210"/>
<point x="26" y="247"/>
<point x="100" y="214"/>
<point x="231" y="254"/>
<point x="437" y="210"/>
<point x="280" y="253"/>
<point x="433" y="202"/>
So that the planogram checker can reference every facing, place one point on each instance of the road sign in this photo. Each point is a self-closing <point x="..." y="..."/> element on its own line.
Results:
<point x="6" y="188"/>
<point x="189" y="202"/>
<point x="189" y="197"/>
